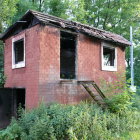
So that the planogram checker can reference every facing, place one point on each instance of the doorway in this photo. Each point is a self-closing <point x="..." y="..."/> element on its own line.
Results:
<point x="10" y="100"/>
<point x="67" y="55"/>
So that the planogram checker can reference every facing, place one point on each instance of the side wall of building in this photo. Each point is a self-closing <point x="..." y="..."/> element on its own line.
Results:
<point x="28" y="76"/>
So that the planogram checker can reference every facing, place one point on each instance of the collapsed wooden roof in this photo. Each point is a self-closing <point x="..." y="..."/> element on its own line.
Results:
<point x="41" y="18"/>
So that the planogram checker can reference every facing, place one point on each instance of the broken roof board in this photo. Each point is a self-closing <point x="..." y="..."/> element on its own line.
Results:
<point x="78" y="27"/>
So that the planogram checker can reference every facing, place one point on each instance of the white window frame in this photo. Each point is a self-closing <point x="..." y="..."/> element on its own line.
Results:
<point x="108" y="68"/>
<point x="22" y="63"/>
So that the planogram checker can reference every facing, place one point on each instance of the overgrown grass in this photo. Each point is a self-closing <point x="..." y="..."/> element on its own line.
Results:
<point x="72" y="122"/>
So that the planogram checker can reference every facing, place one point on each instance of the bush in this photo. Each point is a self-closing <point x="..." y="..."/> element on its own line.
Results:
<point x="72" y="122"/>
<point x="119" y="97"/>
<point x="120" y="102"/>
<point x="136" y="101"/>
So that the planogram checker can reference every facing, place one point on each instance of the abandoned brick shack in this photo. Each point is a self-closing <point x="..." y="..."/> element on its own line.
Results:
<point x="46" y="56"/>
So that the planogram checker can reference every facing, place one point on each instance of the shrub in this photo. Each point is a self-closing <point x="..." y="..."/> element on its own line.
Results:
<point x="136" y="101"/>
<point x="119" y="102"/>
<point x="12" y="132"/>
<point x="72" y="122"/>
<point x="119" y="96"/>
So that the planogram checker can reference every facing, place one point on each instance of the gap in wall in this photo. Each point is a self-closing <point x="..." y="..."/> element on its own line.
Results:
<point x="67" y="55"/>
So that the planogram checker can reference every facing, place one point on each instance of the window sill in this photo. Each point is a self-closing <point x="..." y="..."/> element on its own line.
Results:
<point x="19" y="65"/>
<point x="109" y="68"/>
<point x="68" y="81"/>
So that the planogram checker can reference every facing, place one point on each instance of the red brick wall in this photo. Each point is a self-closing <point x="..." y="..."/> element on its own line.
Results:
<point x="41" y="76"/>
<point x="24" y="77"/>
<point x="89" y="60"/>
<point x="50" y="87"/>
<point x="88" y="67"/>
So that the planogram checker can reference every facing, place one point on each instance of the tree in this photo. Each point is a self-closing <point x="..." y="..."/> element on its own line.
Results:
<point x="22" y="7"/>
<point x="7" y="11"/>
<point x="111" y="15"/>
<point x="59" y="8"/>
<point x="137" y="66"/>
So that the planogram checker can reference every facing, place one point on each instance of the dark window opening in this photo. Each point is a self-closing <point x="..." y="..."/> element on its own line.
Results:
<point x="109" y="56"/>
<point x="67" y="55"/>
<point x="19" y="51"/>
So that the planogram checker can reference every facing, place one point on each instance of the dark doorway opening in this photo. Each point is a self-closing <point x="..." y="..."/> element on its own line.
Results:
<point x="67" y="55"/>
<point x="6" y="107"/>
<point x="20" y="98"/>
<point x="10" y="100"/>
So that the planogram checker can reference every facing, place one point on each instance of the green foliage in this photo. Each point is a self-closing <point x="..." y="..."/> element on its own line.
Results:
<point x="78" y="11"/>
<point x="138" y="91"/>
<point x="7" y="11"/>
<point x="119" y="102"/>
<point x="137" y="64"/>
<point x="136" y="61"/>
<point x="22" y="7"/>
<point x="110" y="15"/>
<point x="134" y="135"/>
<point x="12" y="132"/>
<point x="57" y="8"/>
<point x="119" y="97"/>
<point x="74" y="122"/>
<point x="136" y="101"/>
